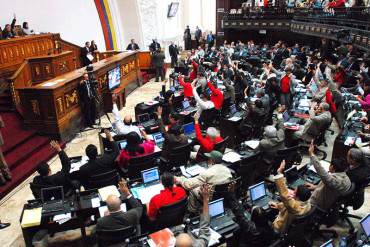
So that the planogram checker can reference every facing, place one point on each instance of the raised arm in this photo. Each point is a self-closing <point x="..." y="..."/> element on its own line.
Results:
<point x="66" y="163"/>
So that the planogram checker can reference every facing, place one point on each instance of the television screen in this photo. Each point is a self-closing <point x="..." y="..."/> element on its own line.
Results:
<point x="114" y="78"/>
<point x="172" y="10"/>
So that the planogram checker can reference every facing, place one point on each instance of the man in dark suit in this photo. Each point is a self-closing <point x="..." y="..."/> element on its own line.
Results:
<point x="154" y="46"/>
<point x="211" y="39"/>
<point x="85" y="54"/>
<point x="133" y="46"/>
<point x="158" y="62"/>
<point x="187" y="38"/>
<point x="86" y="92"/>
<point x="46" y="179"/>
<point x="198" y="35"/>
<point x="174" y="52"/>
<point x="115" y="218"/>
<point x="97" y="165"/>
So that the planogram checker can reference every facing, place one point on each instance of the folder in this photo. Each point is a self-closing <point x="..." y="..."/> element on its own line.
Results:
<point x="107" y="191"/>
<point x="31" y="217"/>
<point x="163" y="238"/>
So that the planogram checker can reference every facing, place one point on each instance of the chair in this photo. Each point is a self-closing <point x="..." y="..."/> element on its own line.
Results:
<point x="221" y="146"/>
<point x="113" y="237"/>
<point x="222" y="190"/>
<point x="209" y="118"/>
<point x="291" y="155"/>
<point x="104" y="179"/>
<point x="247" y="170"/>
<point x="139" y="163"/>
<point x="172" y="214"/>
<point x="179" y="156"/>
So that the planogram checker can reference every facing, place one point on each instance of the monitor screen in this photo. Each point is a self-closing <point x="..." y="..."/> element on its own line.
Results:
<point x="114" y="78"/>
<point x="328" y="244"/>
<point x="257" y="191"/>
<point x="216" y="207"/>
<point x="188" y="128"/>
<point x="286" y="116"/>
<point x="150" y="175"/>
<point x="122" y="144"/>
<point x="365" y="224"/>
<point x="52" y="194"/>
<point x="144" y="118"/>
<point x="185" y="104"/>
<point x="233" y="109"/>
<point x="172" y="10"/>
<point x="158" y="138"/>
<point x="291" y="174"/>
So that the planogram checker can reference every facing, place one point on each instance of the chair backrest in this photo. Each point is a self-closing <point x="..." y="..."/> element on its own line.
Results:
<point x="223" y="190"/>
<point x="117" y="236"/>
<point x="209" y="117"/>
<point x="139" y="163"/>
<point x="221" y="146"/>
<point x="104" y="179"/>
<point x="172" y="214"/>
<point x="247" y="170"/>
<point x="179" y="156"/>
<point x="291" y="155"/>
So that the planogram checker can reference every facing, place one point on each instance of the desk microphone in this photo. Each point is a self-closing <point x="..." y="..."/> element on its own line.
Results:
<point x="187" y="222"/>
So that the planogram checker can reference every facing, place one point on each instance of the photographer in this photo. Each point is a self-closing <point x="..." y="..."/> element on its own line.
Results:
<point x="87" y="95"/>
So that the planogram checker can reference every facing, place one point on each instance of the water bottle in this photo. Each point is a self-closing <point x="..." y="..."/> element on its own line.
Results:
<point x="343" y="242"/>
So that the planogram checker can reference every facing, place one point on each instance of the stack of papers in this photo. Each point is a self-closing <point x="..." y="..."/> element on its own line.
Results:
<point x="107" y="191"/>
<point x="62" y="218"/>
<point x="231" y="157"/>
<point x="195" y="170"/>
<point x="214" y="238"/>
<point x="253" y="144"/>
<point x="31" y="217"/>
<point x="76" y="166"/>
<point x="103" y="209"/>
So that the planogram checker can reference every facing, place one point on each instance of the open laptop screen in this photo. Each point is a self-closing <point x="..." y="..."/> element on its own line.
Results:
<point x="291" y="174"/>
<point x="52" y="194"/>
<point x="216" y="208"/>
<point x="365" y="224"/>
<point x="122" y="144"/>
<point x="328" y="244"/>
<point x="257" y="191"/>
<point x="158" y="138"/>
<point x="150" y="175"/>
<point x="144" y="118"/>
<point x="185" y="104"/>
<point x="188" y="128"/>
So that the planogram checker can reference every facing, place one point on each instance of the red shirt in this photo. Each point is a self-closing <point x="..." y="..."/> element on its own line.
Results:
<point x="216" y="97"/>
<point x="166" y="197"/>
<point x="194" y="72"/>
<point x="188" y="90"/>
<point x="206" y="143"/>
<point x="285" y="84"/>
<point x="329" y="100"/>
<point x="124" y="156"/>
<point x="337" y="4"/>
<point x="339" y="77"/>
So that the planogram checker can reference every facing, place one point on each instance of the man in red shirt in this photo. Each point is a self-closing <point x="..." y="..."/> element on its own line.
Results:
<point x="206" y="143"/>
<point x="194" y="71"/>
<point x="285" y="88"/>
<point x="216" y="97"/>
<point x="169" y="195"/>
<point x="188" y="90"/>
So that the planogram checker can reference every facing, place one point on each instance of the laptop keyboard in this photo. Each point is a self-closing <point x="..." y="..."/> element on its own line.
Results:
<point x="262" y="202"/>
<point x="221" y="223"/>
<point x="52" y="207"/>
<point x="148" y="123"/>
<point x="297" y="183"/>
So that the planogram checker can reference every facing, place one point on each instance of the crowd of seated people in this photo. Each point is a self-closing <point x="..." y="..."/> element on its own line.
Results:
<point x="11" y="30"/>
<point x="261" y="82"/>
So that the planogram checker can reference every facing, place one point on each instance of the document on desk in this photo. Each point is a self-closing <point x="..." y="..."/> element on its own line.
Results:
<point x="157" y="149"/>
<point x="214" y="238"/>
<point x="144" y="194"/>
<point x="77" y="165"/>
<point x="234" y="119"/>
<point x="104" y="209"/>
<point x="231" y="157"/>
<point x="62" y="218"/>
<point x="253" y="144"/>
<point x="95" y="202"/>
<point x="162" y="238"/>
<point x="31" y="217"/>
<point x="304" y="103"/>
<point x="107" y="191"/>
<point x="184" y="173"/>
<point x="195" y="170"/>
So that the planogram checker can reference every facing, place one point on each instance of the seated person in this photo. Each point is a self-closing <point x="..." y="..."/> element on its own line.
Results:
<point x="135" y="147"/>
<point x="265" y="99"/>
<point x="320" y="117"/>
<point x="123" y="127"/>
<point x="333" y="183"/>
<point x="290" y="206"/>
<point x="217" y="96"/>
<point x="46" y="179"/>
<point x="188" y="90"/>
<point x="204" y="101"/>
<point x="115" y="218"/>
<point x="207" y="143"/>
<point x="26" y="30"/>
<point x="173" y="138"/>
<point x="171" y="194"/>
<point x="255" y="117"/>
<point x="9" y="30"/>
<point x="359" y="168"/>
<point x="216" y="173"/>
<point x="202" y="239"/>
<point x="167" y="106"/>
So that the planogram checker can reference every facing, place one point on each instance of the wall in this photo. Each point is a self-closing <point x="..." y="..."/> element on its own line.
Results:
<point x="76" y="20"/>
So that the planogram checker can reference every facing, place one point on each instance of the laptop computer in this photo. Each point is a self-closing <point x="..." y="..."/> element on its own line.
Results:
<point x="259" y="196"/>
<point x="121" y="144"/>
<point x="145" y="120"/>
<point x="151" y="185"/>
<point x="186" y="106"/>
<point x="293" y="178"/>
<point x="189" y="130"/>
<point x="52" y="199"/>
<point x="328" y="244"/>
<point x="219" y="220"/>
<point x="288" y="119"/>
<point x="158" y="139"/>
<point x="365" y="224"/>
<point x="234" y="111"/>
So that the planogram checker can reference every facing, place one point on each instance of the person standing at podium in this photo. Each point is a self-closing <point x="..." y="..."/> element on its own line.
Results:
<point x="86" y="56"/>
<point x="86" y="92"/>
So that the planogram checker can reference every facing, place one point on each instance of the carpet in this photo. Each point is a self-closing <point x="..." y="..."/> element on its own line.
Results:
<point x="23" y="150"/>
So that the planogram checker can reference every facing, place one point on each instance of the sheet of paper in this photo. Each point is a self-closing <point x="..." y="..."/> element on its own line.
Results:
<point x="253" y="144"/>
<point x="62" y="218"/>
<point x="235" y="119"/>
<point x="90" y="57"/>
<point x="77" y="165"/>
<point x="31" y="217"/>
<point x="304" y="103"/>
<point x="214" y="238"/>
<point x="350" y="140"/>
<point x="146" y="193"/>
<point x="107" y="191"/>
<point x="195" y="170"/>
<point x="157" y="149"/>
<point x="95" y="202"/>
<point x="231" y="157"/>
<point x="103" y="209"/>
<point x="184" y="173"/>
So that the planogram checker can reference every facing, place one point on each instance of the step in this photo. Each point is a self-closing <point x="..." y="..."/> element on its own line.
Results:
<point x="24" y="150"/>
<point x="20" y="137"/>
<point x="26" y="168"/>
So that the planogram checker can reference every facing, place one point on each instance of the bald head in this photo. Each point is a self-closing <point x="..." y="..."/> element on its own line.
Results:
<point x="184" y="240"/>
<point x="113" y="203"/>
<point x="127" y="120"/>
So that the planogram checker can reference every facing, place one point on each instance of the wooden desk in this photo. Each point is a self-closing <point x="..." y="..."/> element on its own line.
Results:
<point x="52" y="107"/>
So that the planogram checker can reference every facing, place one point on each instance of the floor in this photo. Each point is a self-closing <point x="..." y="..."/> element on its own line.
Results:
<point x="11" y="206"/>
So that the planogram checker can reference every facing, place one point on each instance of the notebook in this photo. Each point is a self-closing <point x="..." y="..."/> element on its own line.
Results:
<point x="31" y="217"/>
<point x="107" y="191"/>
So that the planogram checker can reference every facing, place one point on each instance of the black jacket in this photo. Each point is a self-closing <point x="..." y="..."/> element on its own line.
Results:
<point x="120" y="219"/>
<point x="9" y="34"/>
<point x="154" y="46"/>
<point x="85" y="60"/>
<point x="171" y="141"/>
<point x="83" y="91"/>
<point x="60" y="178"/>
<point x="173" y="51"/>
<point x="133" y="47"/>
<point x="158" y="59"/>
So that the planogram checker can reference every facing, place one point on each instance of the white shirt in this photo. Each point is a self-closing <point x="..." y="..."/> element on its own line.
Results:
<point x="121" y="128"/>
<point x="201" y="104"/>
